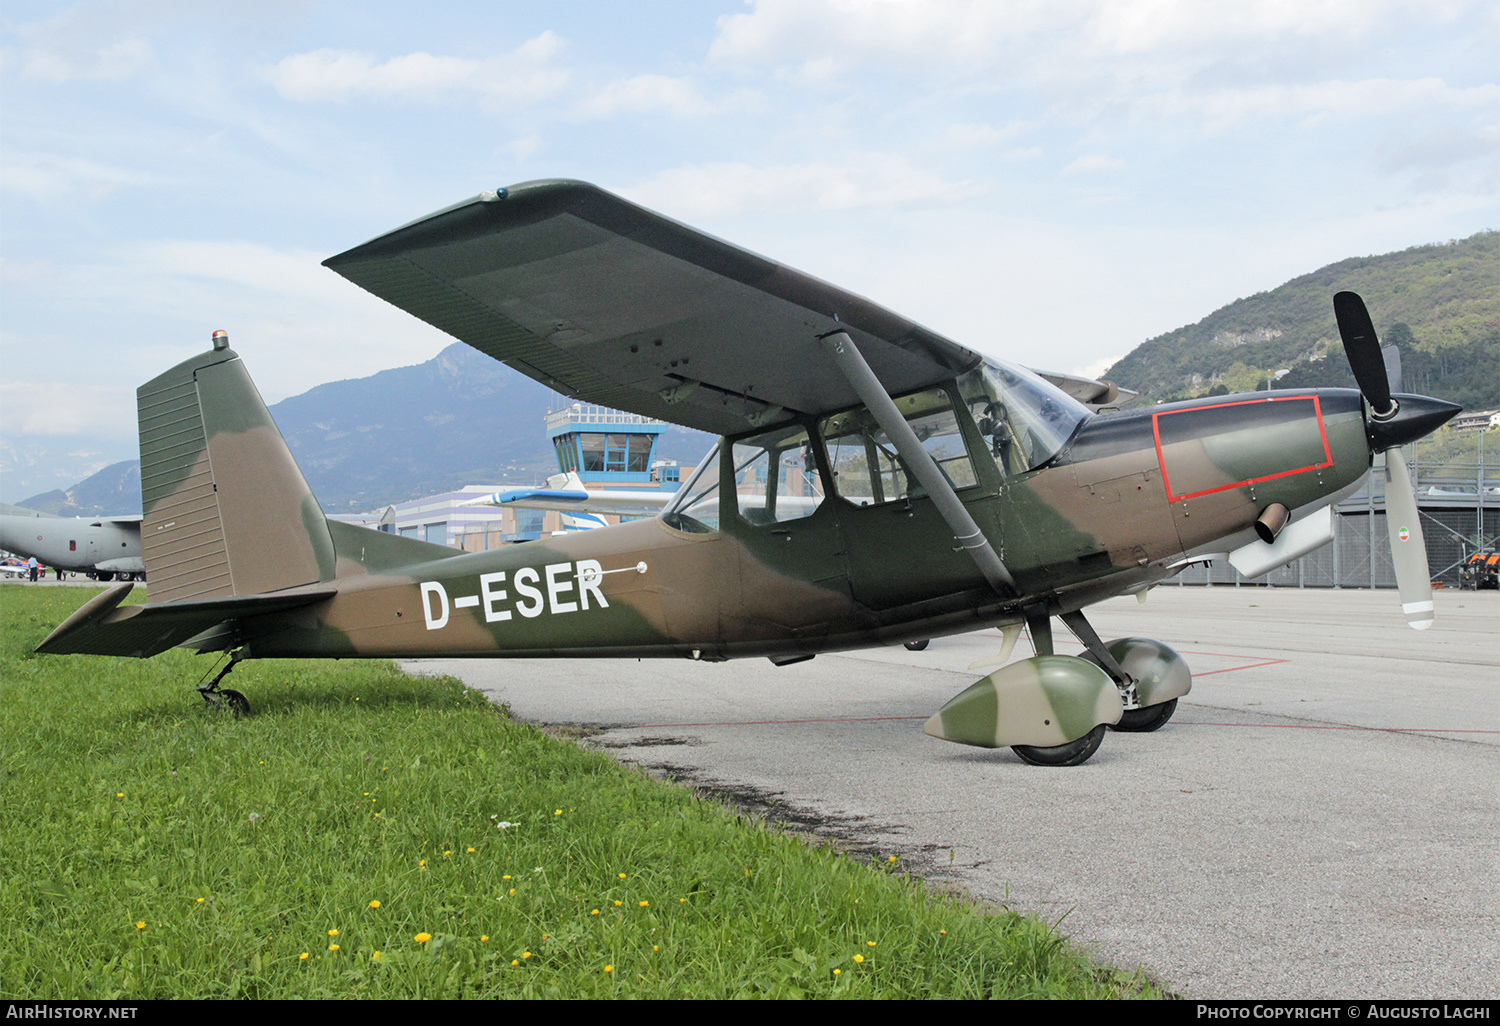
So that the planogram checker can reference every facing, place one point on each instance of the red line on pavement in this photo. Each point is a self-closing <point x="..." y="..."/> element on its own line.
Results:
<point x="766" y="723"/>
<point x="1230" y="669"/>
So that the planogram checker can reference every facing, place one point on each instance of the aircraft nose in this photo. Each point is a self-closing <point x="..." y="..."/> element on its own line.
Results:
<point x="1416" y="415"/>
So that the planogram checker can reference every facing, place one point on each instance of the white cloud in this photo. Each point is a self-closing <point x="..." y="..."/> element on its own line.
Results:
<point x="645" y="93"/>
<point x="337" y="76"/>
<point x="1376" y="97"/>
<point x="112" y="61"/>
<point x="1096" y="59"/>
<point x="731" y="189"/>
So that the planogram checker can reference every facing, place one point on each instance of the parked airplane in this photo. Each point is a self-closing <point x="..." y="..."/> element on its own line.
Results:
<point x="875" y="483"/>
<point x="102" y="547"/>
<point x="582" y="508"/>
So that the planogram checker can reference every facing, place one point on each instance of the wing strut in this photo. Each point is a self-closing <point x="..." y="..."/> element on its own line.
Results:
<point x="856" y="371"/>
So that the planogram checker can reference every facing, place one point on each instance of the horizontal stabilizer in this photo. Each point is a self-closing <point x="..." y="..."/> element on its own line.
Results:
<point x="101" y="627"/>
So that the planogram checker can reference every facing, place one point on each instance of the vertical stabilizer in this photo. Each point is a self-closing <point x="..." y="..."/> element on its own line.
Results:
<point x="227" y="511"/>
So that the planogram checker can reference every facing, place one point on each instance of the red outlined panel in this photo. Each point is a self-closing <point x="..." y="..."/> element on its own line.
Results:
<point x="1273" y="414"/>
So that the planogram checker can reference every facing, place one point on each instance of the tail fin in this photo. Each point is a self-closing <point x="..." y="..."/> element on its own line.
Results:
<point x="227" y="511"/>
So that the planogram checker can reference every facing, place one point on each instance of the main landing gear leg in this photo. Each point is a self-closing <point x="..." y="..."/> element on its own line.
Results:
<point x="1161" y="672"/>
<point x="227" y="697"/>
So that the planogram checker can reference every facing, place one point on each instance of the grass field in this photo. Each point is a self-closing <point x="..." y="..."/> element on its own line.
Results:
<point x="369" y="834"/>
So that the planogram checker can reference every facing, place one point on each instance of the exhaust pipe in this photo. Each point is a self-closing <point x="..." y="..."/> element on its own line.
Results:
<point x="1270" y="522"/>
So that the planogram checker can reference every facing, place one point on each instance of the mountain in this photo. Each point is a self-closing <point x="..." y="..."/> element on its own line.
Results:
<point x="460" y="418"/>
<point x="115" y="489"/>
<point x="1439" y="304"/>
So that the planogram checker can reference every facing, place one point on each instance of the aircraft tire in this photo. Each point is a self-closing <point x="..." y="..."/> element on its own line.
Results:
<point x="916" y="646"/>
<point x="106" y="575"/>
<point x="1074" y="753"/>
<point x="1143" y="721"/>
<point x="236" y="701"/>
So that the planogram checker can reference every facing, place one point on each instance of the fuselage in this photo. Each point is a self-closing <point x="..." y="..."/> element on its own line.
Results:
<point x="763" y="567"/>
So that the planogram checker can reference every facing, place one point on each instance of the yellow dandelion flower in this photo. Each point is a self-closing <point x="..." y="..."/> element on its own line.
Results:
<point x="141" y="925"/>
<point x="644" y="904"/>
<point x="594" y="913"/>
<point x="333" y="947"/>
<point x="525" y="954"/>
<point x="469" y="850"/>
<point x="870" y="943"/>
<point x="656" y="947"/>
<point x="302" y="957"/>
<point x="891" y="859"/>
<point x="505" y="877"/>
<point x="333" y="933"/>
<point x="515" y="962"/>
<point x="838" y="972"/>
<point x="200" y="901"/>
<point x="374" y="956"/>
<point x="609" y="968"/>
<point x="447" y="853"/>
<point x="483" y="937"/>
<point x="512" y="890"/>
<point x="422" y="938"/>
<point x="422" y="864"/>
<point x="859" y="958"/>
<point x="374" y="904"/>
<point x="618" y="904"/>
<point x="559" y="813"/>
<point x="622" y="876"/>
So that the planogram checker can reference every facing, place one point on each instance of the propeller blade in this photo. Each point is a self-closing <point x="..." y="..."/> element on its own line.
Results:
<point x="1408" y="547"/>
<point x="1392" y="359"/>
<point x="1362" y="348"/>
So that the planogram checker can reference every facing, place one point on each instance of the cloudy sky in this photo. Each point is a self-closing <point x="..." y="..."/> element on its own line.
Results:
<point x="1049" y="181"/>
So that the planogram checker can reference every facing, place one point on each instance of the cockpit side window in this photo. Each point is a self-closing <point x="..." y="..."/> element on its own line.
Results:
<point x="1024" y="420"/>
<point x="866" y="468"/>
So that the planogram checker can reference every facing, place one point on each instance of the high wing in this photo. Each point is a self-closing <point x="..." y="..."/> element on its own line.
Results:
<point x="1093" y="393"/>
<point x="603" y="300"/>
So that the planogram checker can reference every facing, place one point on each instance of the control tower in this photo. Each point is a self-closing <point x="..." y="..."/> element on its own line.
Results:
<point x="606" y="447"/>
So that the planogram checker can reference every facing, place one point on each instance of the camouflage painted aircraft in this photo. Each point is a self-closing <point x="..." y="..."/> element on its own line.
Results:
<point x="874" y="483"/>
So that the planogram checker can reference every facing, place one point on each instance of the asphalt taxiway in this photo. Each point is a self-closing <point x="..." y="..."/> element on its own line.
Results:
<point x="1319" y="820"/>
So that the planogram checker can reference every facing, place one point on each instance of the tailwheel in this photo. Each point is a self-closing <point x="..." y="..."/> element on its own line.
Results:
<point x="916" y="646"/>
<point x="1146" y="719"/>
<point x="225" y="697"/>
<point x="1074" y="753"/>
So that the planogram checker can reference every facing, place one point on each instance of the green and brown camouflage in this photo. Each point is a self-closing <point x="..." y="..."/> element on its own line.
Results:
<point x="806" y="530"/>
<point x="1042" y="702"/>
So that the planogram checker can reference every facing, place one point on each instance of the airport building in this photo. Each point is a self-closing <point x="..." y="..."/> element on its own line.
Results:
<point x="607" y="448"/>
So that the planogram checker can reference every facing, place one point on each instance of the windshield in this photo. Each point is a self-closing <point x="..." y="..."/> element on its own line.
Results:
<point x="1025" y="420"/>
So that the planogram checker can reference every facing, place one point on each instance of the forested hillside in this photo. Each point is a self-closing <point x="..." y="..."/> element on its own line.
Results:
<point x="1440" y="304"/>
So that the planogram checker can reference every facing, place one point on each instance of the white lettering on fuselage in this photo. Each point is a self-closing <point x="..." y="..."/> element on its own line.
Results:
<point x="569" y="588"/>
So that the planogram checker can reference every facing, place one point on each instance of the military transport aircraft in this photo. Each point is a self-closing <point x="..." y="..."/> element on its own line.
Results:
<point x="874" y="483"/>
<point x="102" y="547"/>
